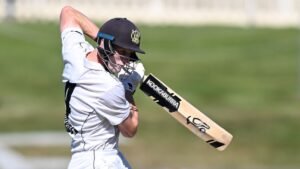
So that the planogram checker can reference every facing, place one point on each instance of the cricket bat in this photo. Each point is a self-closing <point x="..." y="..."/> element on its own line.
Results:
<point x="185" y="113"/>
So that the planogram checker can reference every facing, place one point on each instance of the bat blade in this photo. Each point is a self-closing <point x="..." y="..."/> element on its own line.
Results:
<point x="185" y="113"/>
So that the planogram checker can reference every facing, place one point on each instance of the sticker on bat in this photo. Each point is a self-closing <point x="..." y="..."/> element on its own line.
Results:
<point x="153" y="87"/>
<point x="202" y="126"/>
<point x="215" y="143"/>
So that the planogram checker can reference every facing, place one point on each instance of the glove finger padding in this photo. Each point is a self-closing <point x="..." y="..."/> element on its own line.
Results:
<point x="131" y="78"/>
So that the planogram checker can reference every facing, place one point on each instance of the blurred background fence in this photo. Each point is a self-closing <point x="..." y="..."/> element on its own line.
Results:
<point x="230" y="12"/>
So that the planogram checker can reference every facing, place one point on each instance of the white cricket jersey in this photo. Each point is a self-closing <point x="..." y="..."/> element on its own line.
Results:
<point x="97" y="104"/>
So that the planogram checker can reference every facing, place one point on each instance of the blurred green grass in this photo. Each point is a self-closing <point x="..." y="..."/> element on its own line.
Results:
<point x="245" y="79"/>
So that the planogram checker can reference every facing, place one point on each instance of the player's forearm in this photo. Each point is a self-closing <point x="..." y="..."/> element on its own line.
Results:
<point x="130" y="126"/>
<point x="71" y="17"/>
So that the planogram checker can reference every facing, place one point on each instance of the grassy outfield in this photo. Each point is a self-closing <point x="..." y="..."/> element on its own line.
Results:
<point x="245" y="79"/>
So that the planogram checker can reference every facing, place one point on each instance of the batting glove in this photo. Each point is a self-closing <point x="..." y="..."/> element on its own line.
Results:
<point x="132" y="77"/>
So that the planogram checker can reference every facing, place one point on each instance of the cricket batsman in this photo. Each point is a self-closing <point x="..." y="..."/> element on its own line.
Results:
<point x="99" y="86"/>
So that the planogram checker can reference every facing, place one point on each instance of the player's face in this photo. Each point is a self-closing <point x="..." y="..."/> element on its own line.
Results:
<point x="120" y="58"/>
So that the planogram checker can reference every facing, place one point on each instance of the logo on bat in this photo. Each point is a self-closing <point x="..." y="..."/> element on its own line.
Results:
<point x="160" y="93"/>
<point x="202" y="126"/>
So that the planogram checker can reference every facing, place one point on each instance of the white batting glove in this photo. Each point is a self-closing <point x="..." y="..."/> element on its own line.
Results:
<point x="132" y="77"/>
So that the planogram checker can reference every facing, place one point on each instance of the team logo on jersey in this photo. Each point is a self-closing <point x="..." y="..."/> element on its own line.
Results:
<point x="135" y="36"/>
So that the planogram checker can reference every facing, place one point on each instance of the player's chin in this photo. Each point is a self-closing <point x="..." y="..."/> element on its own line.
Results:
<point x="115" y="69"/>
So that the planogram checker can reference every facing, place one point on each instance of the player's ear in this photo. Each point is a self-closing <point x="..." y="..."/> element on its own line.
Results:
<point x="100" y="44"/>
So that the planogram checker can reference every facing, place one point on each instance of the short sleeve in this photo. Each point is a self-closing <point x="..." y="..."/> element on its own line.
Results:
<point x="114" y="106"/>
<point x="74" y="51"/>
<point x="71" y="36"/>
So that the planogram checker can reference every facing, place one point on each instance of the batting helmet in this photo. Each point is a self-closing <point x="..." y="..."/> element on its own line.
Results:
<point x="121" y="32"/>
